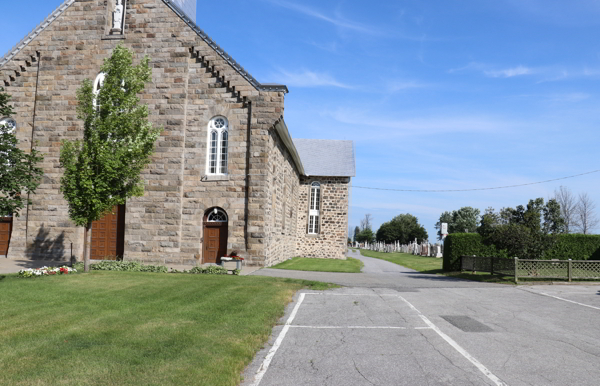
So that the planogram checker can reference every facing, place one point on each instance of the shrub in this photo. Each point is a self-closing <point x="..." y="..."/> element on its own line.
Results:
<point x="465" y="244"/>
<point x="561" y="247"/>
<point x="210" y="270"/>
<point x="127" y="266"/>
<point x="575" y="247"/>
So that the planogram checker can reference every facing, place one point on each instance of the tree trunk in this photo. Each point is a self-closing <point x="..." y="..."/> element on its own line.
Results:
<point x="86" y="247"/>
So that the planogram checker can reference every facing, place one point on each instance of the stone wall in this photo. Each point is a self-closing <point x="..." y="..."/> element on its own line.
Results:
<point x="191" y="84"/>
<point x="332" y="239"/>
<point x="281" y="211"/>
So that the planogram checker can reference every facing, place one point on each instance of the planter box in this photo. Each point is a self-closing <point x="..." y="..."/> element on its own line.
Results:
<point x="231" y="265"/>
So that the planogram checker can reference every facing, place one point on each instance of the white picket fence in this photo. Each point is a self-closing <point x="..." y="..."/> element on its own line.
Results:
<point x="422" y="249"/>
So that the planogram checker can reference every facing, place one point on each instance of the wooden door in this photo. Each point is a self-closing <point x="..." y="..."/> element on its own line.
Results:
<point x="108" y="236"/>
<point x="215" y="242"/>
<point x="5" y="232"/>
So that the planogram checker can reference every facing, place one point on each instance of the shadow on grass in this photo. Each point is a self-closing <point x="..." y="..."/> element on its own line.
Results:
<point x="2" y="277"/>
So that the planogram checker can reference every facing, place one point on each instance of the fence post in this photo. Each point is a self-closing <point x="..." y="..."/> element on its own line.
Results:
<point x="516" y="270"/>
<point x="492" y="267"/>
<point x="569" y="271"/>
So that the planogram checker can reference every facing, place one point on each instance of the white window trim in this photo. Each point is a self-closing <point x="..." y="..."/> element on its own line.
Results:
<point x="10" y="123"/>
<point x="219" y="147"/>
<point x="314" y="211"/>
<point x="215" y="212"/>
<point x="98" y="83"/>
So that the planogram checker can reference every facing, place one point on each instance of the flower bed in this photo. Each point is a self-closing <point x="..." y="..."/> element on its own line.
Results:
<point x="46" y="271"/>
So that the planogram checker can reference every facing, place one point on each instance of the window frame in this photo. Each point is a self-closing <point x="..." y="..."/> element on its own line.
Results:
<point x="98" y="83"/>
<point x="219" y="149"/>
<point x="314" y="208"/>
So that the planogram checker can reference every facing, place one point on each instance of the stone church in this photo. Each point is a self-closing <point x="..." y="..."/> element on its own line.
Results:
<point x="226" y="175"/>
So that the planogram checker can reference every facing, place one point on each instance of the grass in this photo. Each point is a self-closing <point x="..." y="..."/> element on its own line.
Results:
<point x="433" y="265"/>
<point x="321" y="265"/>
<point x="123" y="328"/>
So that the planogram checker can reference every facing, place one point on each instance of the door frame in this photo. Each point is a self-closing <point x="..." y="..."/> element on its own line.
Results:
<point x="223" y="234"/>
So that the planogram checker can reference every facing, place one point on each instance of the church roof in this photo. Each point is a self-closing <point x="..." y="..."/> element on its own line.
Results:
<point x="325" y="157"/>
<point x="171" y="4"/>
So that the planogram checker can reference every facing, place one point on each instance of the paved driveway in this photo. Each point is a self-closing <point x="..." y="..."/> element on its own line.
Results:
<point x="392" y="326"/>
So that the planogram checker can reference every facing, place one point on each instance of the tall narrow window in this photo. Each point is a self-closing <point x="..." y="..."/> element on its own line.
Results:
<point x="218" y="142"/>
<point x="314" y="208"/>
<point x="98" y="83"/>
<point x="213" y="152"/>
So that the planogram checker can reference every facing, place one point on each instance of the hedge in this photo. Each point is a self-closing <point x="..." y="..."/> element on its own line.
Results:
<point x="465" y="244"/>
<point x="575" y="247"/>
<point x="571" y="246"/>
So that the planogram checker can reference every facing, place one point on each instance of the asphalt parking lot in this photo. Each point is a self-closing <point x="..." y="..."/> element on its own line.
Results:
<point x="429" y="332"/>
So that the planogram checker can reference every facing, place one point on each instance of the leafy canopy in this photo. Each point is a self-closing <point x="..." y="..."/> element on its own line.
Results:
<point x="404" y="228"/>
<point x="18" y="170"/>
<point x="104" y="168"/>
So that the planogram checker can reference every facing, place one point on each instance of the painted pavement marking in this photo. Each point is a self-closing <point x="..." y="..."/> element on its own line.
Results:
<point x="457" y="347"/>
<point x="265" y="365"/>
<point x="565" y="300"/>
<point x="430" y="326"/>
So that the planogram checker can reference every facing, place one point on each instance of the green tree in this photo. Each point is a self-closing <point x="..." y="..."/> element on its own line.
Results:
<point x="554" y="221"/>
<point x="104" y="168"/>
<point x="356" y="232"/>
<point x="365" y="235"/>
<point x="463" y="220"/>
<point x="403" y="228"/>
<point x="19" y="172"/>
<point x="489" y="221"/>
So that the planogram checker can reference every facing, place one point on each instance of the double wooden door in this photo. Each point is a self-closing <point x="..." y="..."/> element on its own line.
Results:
<point x="108" y="235"/>
<point x="5" y="232"/>
<point x="215" y="242"/>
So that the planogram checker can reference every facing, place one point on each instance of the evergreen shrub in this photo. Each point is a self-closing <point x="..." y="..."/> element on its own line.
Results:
<point x="465" y="244"/>
<point x="575" y="247"/>
<point x="566" y="246"/>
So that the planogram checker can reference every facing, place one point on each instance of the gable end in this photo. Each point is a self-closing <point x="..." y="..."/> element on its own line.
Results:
<point x="179" y="12"/>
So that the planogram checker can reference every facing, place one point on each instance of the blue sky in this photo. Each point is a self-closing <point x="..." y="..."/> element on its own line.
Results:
<point x="435" y="94"/>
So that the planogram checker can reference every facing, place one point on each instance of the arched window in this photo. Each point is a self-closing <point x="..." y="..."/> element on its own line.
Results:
<point x="217" y="215"/>
<point x="314" y="209"/>
<point x="9" y="123"/>
<point x="98" y="83"/>
<point x="218" y="144"/>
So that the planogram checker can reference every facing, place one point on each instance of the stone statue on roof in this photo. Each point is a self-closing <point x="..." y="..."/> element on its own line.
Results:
<point x="118" y="16"/>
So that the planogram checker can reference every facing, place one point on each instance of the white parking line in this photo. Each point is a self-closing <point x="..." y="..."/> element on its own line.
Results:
<point x="457" y="347"/>
<point x="265" y="365"/>
<point x="361" y="327"/>
<point x="430" y="326"/>
<point x="565" y="300"/>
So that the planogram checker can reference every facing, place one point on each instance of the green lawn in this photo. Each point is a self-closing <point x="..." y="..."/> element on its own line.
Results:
<point x="418" y="263"/>
<point x="433" y="266"/>
<point x="123" y="328"/>
<point x="322" y="265"/>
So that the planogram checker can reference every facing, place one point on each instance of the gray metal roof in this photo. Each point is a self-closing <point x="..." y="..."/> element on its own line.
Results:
<point x="171" y="4"/>
<point x="326" y="157"/>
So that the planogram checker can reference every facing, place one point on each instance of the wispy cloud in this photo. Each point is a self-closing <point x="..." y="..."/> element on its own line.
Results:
<point x="493" y="71"/>
<point x="559" y="97"/>
<point x="307" y="78"/>
<point x="509" y="72"/>
<point x="337" y="19"/>
<point x="397" y="86"/>
<point x="398" y="127"/>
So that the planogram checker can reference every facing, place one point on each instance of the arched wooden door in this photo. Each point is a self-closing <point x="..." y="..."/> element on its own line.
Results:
<point x="215" y="236"/>
<point x="108" y="236"/>
<point x="5" y="232"/>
